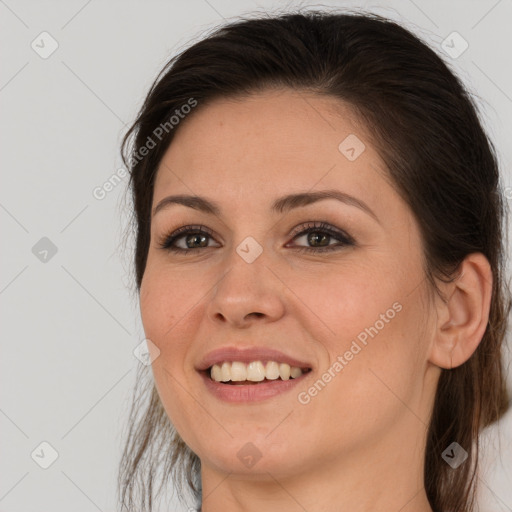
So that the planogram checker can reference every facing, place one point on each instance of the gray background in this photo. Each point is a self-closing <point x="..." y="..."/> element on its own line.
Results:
<point x="71" y="322"/>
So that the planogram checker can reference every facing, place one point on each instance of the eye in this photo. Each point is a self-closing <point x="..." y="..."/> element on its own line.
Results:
<point x="194" y="237"/>
<point x="319" y="234"/>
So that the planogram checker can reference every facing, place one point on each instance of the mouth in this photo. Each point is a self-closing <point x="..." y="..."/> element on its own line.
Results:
<point x="238" y="373"/>
<point x="251" y="374"/>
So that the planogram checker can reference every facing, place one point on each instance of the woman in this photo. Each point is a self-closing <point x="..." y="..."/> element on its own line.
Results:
<point x="319" y="258"/>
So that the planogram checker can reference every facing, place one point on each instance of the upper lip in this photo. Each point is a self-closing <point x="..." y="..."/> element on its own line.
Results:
<point x="246" y="355"/>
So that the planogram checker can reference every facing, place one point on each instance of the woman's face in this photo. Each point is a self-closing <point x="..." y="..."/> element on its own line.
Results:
<point x="346" y="303"/>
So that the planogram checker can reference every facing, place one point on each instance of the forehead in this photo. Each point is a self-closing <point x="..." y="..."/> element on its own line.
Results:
<point x="246" y="149"/>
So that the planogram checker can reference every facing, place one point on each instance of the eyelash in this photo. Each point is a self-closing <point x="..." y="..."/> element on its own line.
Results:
<point x="167" y="241"/>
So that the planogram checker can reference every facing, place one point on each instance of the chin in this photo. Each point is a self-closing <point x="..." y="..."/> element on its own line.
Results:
<point x="259" y="456"/>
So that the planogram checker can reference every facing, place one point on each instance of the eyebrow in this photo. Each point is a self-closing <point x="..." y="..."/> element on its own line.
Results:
<point x="281" y="205"/>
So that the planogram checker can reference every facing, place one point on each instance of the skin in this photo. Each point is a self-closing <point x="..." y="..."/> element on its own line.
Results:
<point x="358" y="445"/>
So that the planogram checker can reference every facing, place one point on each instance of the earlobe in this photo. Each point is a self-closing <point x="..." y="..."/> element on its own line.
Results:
<point x="463" y="317"/>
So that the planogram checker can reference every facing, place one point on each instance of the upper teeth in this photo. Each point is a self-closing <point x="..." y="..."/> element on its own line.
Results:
<point x="254" y="371"/>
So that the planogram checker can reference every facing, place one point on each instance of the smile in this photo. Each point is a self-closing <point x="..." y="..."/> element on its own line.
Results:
<point x="253" y="372"/>
<point x="250" y="374"/>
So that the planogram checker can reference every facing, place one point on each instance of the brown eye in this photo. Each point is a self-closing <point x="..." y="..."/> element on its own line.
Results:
<point x="194" y="237"/>
<point x="195" y="240"/>
<point x="319" y="235"/>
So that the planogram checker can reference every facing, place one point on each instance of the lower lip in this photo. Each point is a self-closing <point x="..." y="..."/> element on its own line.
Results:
<point x="245" y="393"/>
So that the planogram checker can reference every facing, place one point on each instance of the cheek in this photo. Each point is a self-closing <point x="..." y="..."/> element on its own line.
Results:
<point x="347" y="302"/>
<point x="167" y="312"/>
<point x="167" y="299"/>
<point x="164" y="309"/>
<point x="363" y="389"/>
<point x="383" y="352"/>
<point x="370" y="319"/>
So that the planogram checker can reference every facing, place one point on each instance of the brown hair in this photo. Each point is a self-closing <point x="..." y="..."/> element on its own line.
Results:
<point x="425" y="126"/>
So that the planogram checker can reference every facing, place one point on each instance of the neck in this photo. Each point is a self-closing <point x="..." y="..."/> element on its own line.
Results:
<point x="379" y="477"/>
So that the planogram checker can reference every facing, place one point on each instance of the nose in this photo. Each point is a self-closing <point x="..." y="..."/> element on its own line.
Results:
<point x="247" y="293"/>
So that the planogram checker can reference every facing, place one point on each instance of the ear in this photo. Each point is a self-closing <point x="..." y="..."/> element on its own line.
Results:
<point x="462" y="318"/>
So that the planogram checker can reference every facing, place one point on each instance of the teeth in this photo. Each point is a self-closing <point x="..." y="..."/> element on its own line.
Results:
<point x="272" y="370"/>
<point x="255" y="371"/>
<point x="284" y="371"/>
<point x="216" y="373"/>
<point x="239" y="372"/>
<point x="295" y="372"/>
<point x="225" y="372"/>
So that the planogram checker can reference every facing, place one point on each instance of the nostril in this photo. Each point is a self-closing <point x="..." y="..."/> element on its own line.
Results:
<point x="257" y="314"/>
